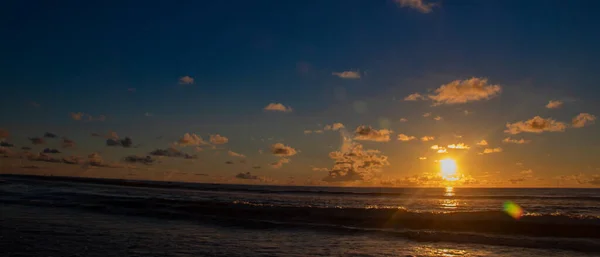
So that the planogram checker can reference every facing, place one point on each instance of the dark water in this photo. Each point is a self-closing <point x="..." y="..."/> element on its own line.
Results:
<point x="51" y="216"/>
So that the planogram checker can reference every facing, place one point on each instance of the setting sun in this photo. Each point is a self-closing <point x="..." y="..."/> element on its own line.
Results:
<point x="448" y="169"/>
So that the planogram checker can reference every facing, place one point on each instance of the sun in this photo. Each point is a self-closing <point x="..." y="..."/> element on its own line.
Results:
<point x="448" y="169"/>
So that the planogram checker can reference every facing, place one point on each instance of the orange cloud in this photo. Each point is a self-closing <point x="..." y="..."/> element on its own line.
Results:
<point x="186" y="80"/>
<point x="347" y="74"/>
<point x="427" y="114"/>
<point x="282" y="150"/>
<point x="403" y="137"/>
<point x="188" y="140"/>
<point x="438" y="118"/>
<point x="536" y="124"/>
<point x="482" y="143"/>
<point x="554" y="104"/>
<point x="463" y="91"/>
<point x="277" y="107"/>
<point x="218" y="139"/>
<point x="418" y="5"/>
<point x="414" y="97"/>
<point x="515" y="141"/>
<point x="278" y="164"/>
<point x="492" y="150"/>
<point x="335" y="126"/>
<point x="427" y="138"/>
<point x="4" y="133"/>
<point x="370" y="134"/>
<point x="582" y="120"/>
<point x="353" y="163"/>
<point x="459" y="146"/>
<point x="234" y="154"/>
<point x="403" y="119"/>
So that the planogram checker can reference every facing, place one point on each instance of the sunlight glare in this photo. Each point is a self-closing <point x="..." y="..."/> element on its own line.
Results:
<point x="448" y="169"/>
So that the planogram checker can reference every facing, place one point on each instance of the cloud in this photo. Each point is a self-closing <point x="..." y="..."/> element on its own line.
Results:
<point x="71" y="160"/>
<point x="582" y="120"/>
<point x="147" y="160"/>
<point x="347" y="74"/>
<point x="81" y="115"/>
<point x="306" y="132"/>
<point x="319" y="169"/>
<point x="68" y="143"/>
<point x="277" y="107"/>
<point x="459" y="146"/>
<point x="527" y="173"/>
<point x="554" y="104"/>
<point x="427" y="114"/>
<point x="127" y="142"/>
<point x="491" y="150"/>
<point x="440" y="149"/>
<point x="427" y="138"/>
<point x="190" y="140"/>
<point x="278" y="164"/>
<point x="353" y="163"/>
<point x="37" y="140"/>
<point x="515" y="141"/>
<point x="438" y="118"/>
<point x="403" y="119"/>
<point x="4" y="133"/>
<point x="403" y="137"/>
<point x="256" y="167"/>
<point x="186" y="80"/>
<point x="516" y="180"/>
<point x="422" y="158"/>
<point x="234" y="154"/>
<point x="318" y="131"/>
<point x="334" y="127"/>
<point x="282" y="150"/>
<point x="229" y="162"/>
<point x="536" y="124"/>
<point x="218" y="139"/>
<point x="482" y="143"/>
<point x="26" y="148"/>
<point x="595" y="180"/>
<point x="419" y="5"/>
<point x="463" y="91"/>
<point x="246" y="175"/>
<point x="6" y="144"/>
<point x="172" y="152"/>
<point x="414" y="97"/>
<point x="370" y="134"/>
<point x="50" y="135"/>
<point x="77" y="115"/>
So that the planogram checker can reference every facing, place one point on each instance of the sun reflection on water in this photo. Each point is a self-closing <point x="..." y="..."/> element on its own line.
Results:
<point x="449" y="192"/>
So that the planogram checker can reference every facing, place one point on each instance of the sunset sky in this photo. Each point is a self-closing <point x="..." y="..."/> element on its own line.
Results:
<point x="360" y="93"/>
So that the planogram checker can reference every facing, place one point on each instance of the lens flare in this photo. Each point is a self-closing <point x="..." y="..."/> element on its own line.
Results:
<point x="513" y="210"/>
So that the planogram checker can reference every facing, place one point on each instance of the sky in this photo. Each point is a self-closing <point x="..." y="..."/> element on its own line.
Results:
<point x="332" y="93"/>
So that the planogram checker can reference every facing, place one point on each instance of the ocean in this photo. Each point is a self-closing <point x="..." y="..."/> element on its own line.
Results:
<point x="63" y="216"/>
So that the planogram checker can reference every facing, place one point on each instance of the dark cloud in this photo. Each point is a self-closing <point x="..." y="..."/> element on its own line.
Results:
<point x="68" y="143"/>
<point x="6" y="144"/>
<point x="127" y="142"/>
<point x="148" y="160"/>
<point x="41" y="157"/>
<point x="246" y="175"/>
<point x="536" y="124"/>
<point x="50" y="135"/>
<point x="229" y="162"/>
<point x="37" y="140"/>
<point x="370" y="134"/>
<point x="256" y="167"/>
<point x="26" y="148"/>
<point x="354" y="163"/>
<point x="282" y="150"/>
<point x="172" y="152"/>
<point x="71" y="160"/>
<point x="49" y="150"/>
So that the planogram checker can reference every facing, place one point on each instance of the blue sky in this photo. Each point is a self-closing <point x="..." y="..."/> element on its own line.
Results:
<point x="124" y="60"/>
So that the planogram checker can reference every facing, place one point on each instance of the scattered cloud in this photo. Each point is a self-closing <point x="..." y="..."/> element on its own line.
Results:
<point x="438" y="118"/>
<point x="536" y="124"/>
<point x="554" y="104"/>
<point x="334" y="127"/>
<point x="422" y="158"/>
<point x="306" y="132"/>
<point x="6" y="144"/>
<point x="282" y="150"/>
<point x="459" y="146"/>
<point x="527" y="173"/>
<point x="414" y="97"/>
<point x="68" y="143"/>
<point x="81" y="116"/>
<point x="186" y="80"/>
<point x="246" y="175"/>
<point x="190" y="139"/>
<point x="77" y="115"/>
<point x="147" y="160"/>
<point x="482" y="143"/>
<point x="277" y="107"/>
<point x="347" y="74"/>
<point x="126" y="142"/>
<point x="403" y="137"/>
<point x="370" y="134"/>
<point x="515" y="141"/>
<point x="279" y="163"/>
<point x="427" y="114"/>
<point x="419" y="5"/>
<point x="172" y="152"/>
<point x="218" y="139"/>
<point x="403" y="119"/>
<point x="353" y="163"/>
<point x="492" y="150"/>
<point x="427" y="138"/>
<point x="582" y="120"/>
<point x="319" y="169"/>
<point x="234" y="154"/>
<point x="37" y="140"/>
<point x="50" y="135"/>
<point x="463" y="91"/>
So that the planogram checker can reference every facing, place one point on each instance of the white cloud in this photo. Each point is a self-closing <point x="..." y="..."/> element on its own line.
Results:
<point x="536" y="124"/>
<point x="414" y="97"/>
<point x="370" y="134"/>
<point x="427" y="138"/>
<point x="218" y="139"/>
<point x="554" y="104"/>
<point x="419" y="5"/>
<point x="234" y="154"/>
<point x="403" y="137"/>
<point x="482" y="143"/>
<point x="335" y="126"/>
<point x="347" y="74"/>
<point x="583" y="119"/>
<point x="186" y="80"/>
<point x="463" y="91"/>
<point x="515" y="141"/>
<point x="277" y="107"/>
<point x="282" y="150"/>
